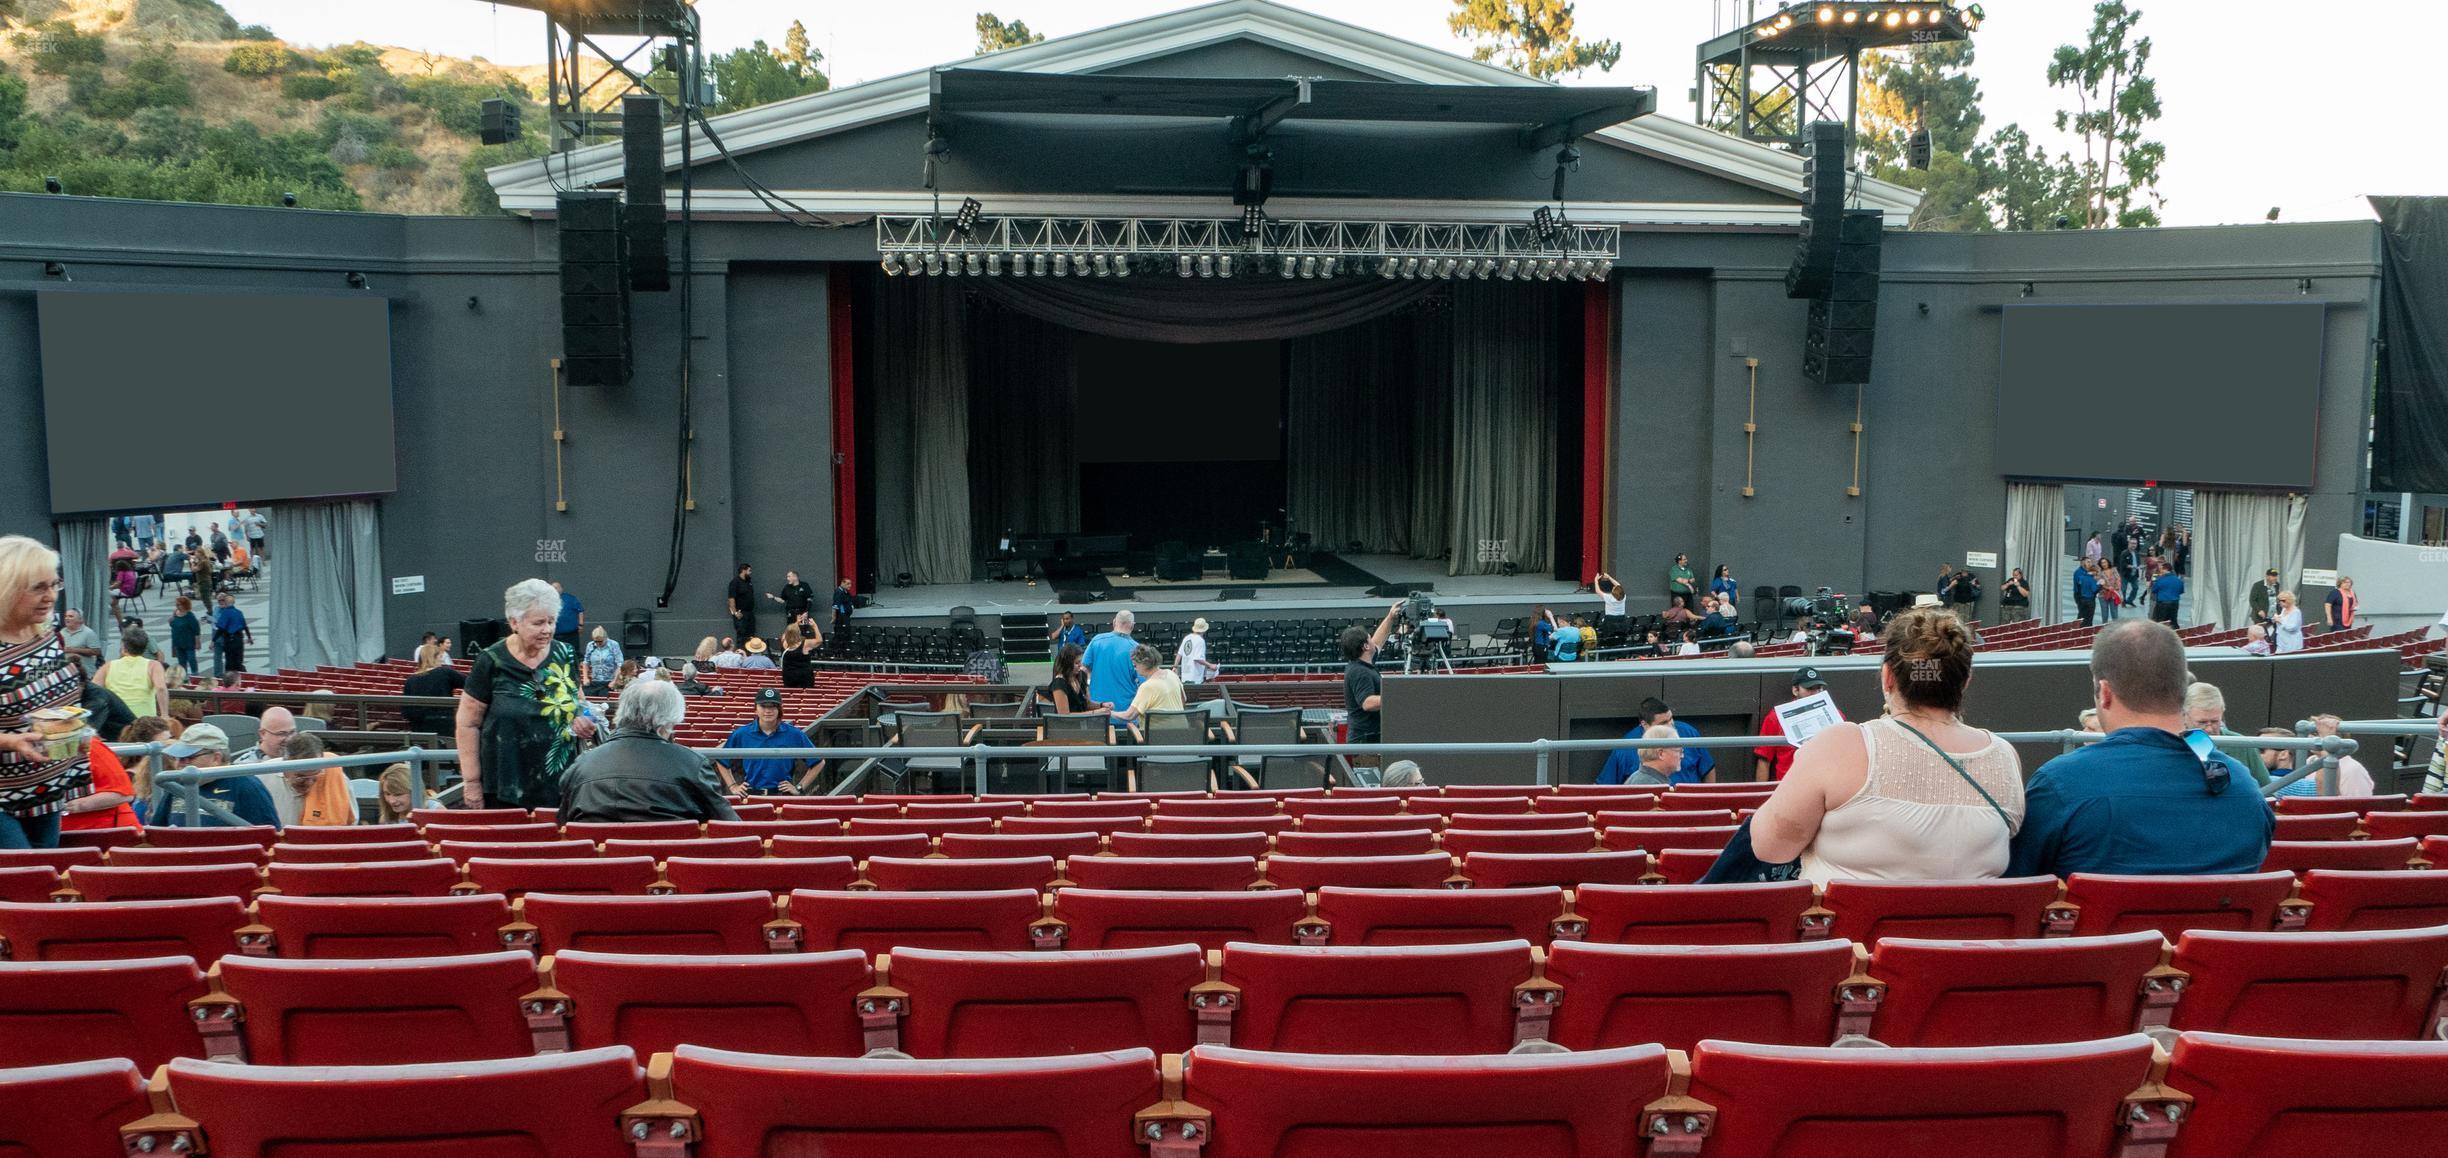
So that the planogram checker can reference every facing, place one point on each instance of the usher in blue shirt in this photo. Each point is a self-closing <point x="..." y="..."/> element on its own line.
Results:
<point x="763" y="774"/>
<point x="2136" y="803"/>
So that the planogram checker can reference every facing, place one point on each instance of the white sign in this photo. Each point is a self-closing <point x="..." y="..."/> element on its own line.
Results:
<point x="1986" y="559"/>
<point x="407" y="585"/>
<point x="2103" y="504"/>
<point x="2312" y="578"/>
<point x="1807" y="717"/>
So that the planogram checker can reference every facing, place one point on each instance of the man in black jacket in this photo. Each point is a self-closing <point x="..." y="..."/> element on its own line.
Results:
<point x="640" y="774"/>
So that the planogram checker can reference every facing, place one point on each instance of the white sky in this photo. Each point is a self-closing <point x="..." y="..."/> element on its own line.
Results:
<point x="2266" y="102"/>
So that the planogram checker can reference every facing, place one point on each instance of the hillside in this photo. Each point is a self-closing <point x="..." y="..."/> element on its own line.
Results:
<point x="174" y="100"/>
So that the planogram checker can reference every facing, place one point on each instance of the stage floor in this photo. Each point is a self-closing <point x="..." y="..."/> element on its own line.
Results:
<point x="1199" y="598"/>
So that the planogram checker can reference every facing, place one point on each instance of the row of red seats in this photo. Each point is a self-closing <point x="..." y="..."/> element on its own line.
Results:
<point x="2212" y="1095"/>
<point x="1470" y="998"/>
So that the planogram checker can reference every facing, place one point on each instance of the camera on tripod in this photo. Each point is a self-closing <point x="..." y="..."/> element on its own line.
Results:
<point x="1822" y="619"/>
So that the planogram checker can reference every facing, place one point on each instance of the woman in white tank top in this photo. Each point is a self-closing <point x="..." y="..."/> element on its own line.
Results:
<point x="1879" y="801"/>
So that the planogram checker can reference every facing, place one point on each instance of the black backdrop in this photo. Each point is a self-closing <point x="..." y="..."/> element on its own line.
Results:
<point x="2410" y="420"/>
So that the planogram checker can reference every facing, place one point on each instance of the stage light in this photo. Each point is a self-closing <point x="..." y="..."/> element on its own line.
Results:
<point x="976" y="266"/>
<point x="1185" y="265"/>
<point x="1020" y="266"/>
<point x="1224" y="266"/>
<point x="1291" y="269"/>
<point x="1206" y="265"/>
<point x="1784" y="22"/>
<point x="892" y="266"/>
<point x="965" y="220"/>
<point x="1410" y="267"/>
<point x="934" y="263"/>
<point x="1389" y="267"/>
<point x="1122" y="264"/>
<point x="1037" y="265"/>
<point x="1512" y="265"/>
<point x="952" y="265"/>
<point x="1062" y="265"/>
<point x="1101" y="264"/>
<point x="1894" y="18"/>
<point x="994" y="265"/>
<point x="1850" y="16"/>
<point x="1253" y="220"/>
<point x="1327" y="268"/>
<point x="1826" y="14"/>
<point x="1308" y="267"/>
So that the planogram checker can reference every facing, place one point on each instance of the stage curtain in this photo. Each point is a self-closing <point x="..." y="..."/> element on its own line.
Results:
<point x="2035" y="541"/>
<point x="2410" y="424"/>
<point x="84" y="549"/>
<point x="2236" y="536"/>
<point x="327" y="585"/>
<point x="1023" y="475"/>
<point x="1503" y="429"/>
<point x="1367" y="420"/>
<point x="921" y="378"/>
<point x="1169" y="308"/>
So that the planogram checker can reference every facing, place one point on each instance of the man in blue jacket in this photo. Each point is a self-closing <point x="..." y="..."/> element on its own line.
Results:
<point x="1624" y="763"/>
<point x="207" y="746"/>
<point x="2086" y="595"/>
<point x="2153" y="798"/>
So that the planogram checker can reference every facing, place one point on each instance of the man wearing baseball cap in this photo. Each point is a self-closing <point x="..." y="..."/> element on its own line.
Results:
<point x="1770" y="761"/>
<point x="207" y="746"/>
<point x="783" y="775"/>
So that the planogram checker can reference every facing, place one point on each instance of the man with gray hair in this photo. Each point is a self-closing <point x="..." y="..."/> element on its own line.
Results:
<point x="273" y="731"/>
<point x="1112" y="677"/>
<point x="2156" y="797"/>
<point x="640" y="774"/>
<point x="2206" y="710"/>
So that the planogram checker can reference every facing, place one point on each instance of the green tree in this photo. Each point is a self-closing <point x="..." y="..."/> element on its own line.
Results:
<point x="12" y="111"/>
<point x="757" y="75"/>
<point x="1534" y="37"/>
<point x="1929" y="86"/>
<point x="996" y="35"/>
<point x="2115" y="101"/>
<point x="2028" y="188"/>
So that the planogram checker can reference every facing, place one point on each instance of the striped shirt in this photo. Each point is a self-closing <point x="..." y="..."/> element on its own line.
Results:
<point x="35" y="675"/>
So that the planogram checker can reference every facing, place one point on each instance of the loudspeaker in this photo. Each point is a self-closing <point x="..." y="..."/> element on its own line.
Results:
<point x="1079" y="596"/>
<point x="594" y="290"/>
<point x="1843" y="325"/>
<point x="475" y="635"/>
<point x="1823" y="193"/>
<point x="643" y="228"/>
<point x="642" y="178"/>
<point x="497" y="122"/>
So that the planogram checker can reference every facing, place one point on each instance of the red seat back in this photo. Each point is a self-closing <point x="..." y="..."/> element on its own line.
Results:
<point x="845" y="811"/>
<point x="2290" y="805"/>
<point x="1410" y="843"/>
<point x="854" y="847"/>
<point x="1120" y="919"/>
<point x="768" y="829"/>
<point x="1867" y="911"/>
<point x="317" y="835"/>
<point x="492" y="833"/>
<point x="165" y="836"/>
<point x="1223" y="873"/>
<point x="55" y="859"/>
<point x="425" y="816"/>
<point x="708" y="923"/>
<point x="792" y="1003"/>
<point x="286" y="853"/>
<point x="2392" y="825"/>
<point x="1439" y="916"/>
<point x="1270" y="823"/>
<point x="2343" y="900"/>
<point x="395" y="1012"/>
<point x="2171" y="905"/>
<point x="1402" y="823"/>
<point x="1448" y="805"/>
<point x="1179" y="844"/>
<point x="881" y="922"/>
<point x="28" y="884"/>
<point x="1594" y="802"/>
<point x="2383" y="984"/>
<point x="1710" y="838"/>
<point x="2325" y="826"/>
<point x="170" y="883"/>
<point x="1517" y="821"/>
<point x="1343" y="806"/>
<point x="1041" y="1004"/>
<point x="1061" y="825"/>
<point x="1693" y="914"/>
<point x="1235" y="807"/>
<point x="1682" y="797"/>
<point x="895" y="874"/>
<point x="922" y="826"/>
<point x="399" y="878"/>
<point x="464" y="851"/>
<point x="2361" y="855"/>
<point x="2020" y="992"/>
<point x="660" y="848"/>
<point x="1058" y="845"/>
<point x="1091" y="808"/>
<point x="74" y="1011"/>
<point x="2270" y="1098"/>
<point x="1412" y="999"/>
<point x="1675" y="995"/>
<point x="1506" y="870"/>
<point x="141" y="857"/>
<point x="966" y="808"/>
<point x="592" y="876"/>
<point x="1425" y="871"/>
<point x="1465" y="841"/>
<point x="84" y="1104"/>
<point x="771" y="875"/>
<point x="357" y="928"/>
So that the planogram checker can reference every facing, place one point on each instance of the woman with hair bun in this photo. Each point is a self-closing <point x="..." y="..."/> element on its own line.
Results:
<point x="1913" y="795"/>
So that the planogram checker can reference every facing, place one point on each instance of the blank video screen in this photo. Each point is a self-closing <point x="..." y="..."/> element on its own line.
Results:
<point x="1165" y="402"/>
<point x="268" y="397"/>
<point x="2206" y="394"/>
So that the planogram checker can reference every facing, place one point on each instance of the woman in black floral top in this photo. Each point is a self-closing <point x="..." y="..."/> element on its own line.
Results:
<point x="521" y="717"/>
<point x="36" y="672"/>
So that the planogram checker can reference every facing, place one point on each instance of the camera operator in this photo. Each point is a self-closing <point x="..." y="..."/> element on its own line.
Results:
<point x="1865" y="623"/>
<point x="1360" y="682"/>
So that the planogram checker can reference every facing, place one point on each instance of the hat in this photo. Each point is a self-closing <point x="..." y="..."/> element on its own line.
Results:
<point x="769" y="698"/>
<point x="1808" y="678"/>
<point x="1199" y="624"/>
<point x="652" y="662"/>
<point x="1926" y="599"/>
<point x="756" y="645"/>
<point x="196" y="739"/>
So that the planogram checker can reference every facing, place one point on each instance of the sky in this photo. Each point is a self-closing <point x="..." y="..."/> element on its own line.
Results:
<point x="2309" y="130"/>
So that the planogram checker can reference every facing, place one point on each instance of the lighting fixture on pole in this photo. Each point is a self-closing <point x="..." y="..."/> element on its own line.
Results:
<point x="1062" y="265"/>
<point x="964" y="222"/>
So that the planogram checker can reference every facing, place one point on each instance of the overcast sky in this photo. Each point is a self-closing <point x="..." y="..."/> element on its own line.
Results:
<point x="2267" y="103"/>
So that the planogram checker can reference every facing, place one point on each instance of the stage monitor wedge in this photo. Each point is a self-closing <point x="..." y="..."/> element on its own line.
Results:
<point x="594" y="290"/>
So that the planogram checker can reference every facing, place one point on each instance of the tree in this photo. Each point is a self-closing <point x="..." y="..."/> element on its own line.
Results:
<point x="798" y="56"/>
<point x="2114" y="101"/>
<point x="1534" y="37"/>
<point x="757" y="75"/>
<point x="1930" y="87"/>
<point x="995" y="35"/>
<point x="2029" y="189"/>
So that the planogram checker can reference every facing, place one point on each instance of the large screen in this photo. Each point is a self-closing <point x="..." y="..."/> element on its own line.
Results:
<point x="2215" y="394"/>
<point x="266" y="397"/>
<point x="1160" y="402"/>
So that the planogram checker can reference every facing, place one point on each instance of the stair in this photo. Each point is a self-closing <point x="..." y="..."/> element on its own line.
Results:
<point x="1024" y="638"/>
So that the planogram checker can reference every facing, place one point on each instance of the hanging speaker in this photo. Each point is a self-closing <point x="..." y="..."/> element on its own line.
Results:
<point x="1823" y="192"/>
<point x="642" y="180"/>
<point x="594" y="290"/>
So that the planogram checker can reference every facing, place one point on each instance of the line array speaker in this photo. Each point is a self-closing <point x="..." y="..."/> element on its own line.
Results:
<point x="594" y="290"/>
<point x="642" y="178"/>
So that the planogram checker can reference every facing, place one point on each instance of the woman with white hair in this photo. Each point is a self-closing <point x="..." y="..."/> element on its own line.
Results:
<point x="603" y="658"/>
<point x="1402" y="774"/>
<point x="521" y="717"/>
<point x="2287" y="619"/>
<point x="38" y="779"/>
<point x="640" y="774"/>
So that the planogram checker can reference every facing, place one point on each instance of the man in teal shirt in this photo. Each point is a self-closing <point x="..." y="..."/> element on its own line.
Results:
<point x="1112" y="679"/>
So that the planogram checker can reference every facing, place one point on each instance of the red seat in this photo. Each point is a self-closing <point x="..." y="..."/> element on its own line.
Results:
<point x="1592" y="802"/>
<point x="977" y="1005"/>
<point x="1517" y="821"/>
<point x="794" y="1003"/>
<point x="202" y="928"/>
<point x="1656" y="840"/>
<point x="614" y="876"/>
<point x="1681" y="796"/>
<point x="1270" y="824"/>
<point x="2297" y="805"/>
<point x="1344" y="806"/>
<point x="71" y="1011"/>
<point x="1675" y="995"/>
<point x="464" y="851"/>
<point x="751" y="811"/>
<point x="1438" y="916"/>
<point x="922" y="826"/>
<point x="895" y="874"/>
<point x="772" y="875"/>
<point x="1132" y="919"/>
<point x="2383" y="984"/>
<point x="854" y="847"/>
<point x="663" y="849"/>
<point x="2360" y="855"/>
<point x="1425" y="871"/>
<point x="1058" y="845"/>
<point x="358" y="1013"/>
<point x="2323" y="826"/>
<point x="1237" y="806"/>
<point x="1176" y="844"/>
<point x="2392" y="825"/>
<point x="1866" y="911"/>
<point x="2015" y="992"/>
<point x="172" y="883"/>
<point x="165" y="836"/>
<point x="1091" y="808"/>
<point x="1693" y="914"/>
<point x="83" y="1106"/>
<point x="2055" y="1101"/>
<point x="2171" y="905"/>
<point x="1465" y="841"/>
<point x="28" y="884"/>
<point x="398" y="878"/>
<point x="768" y="829"/>
<point x="424" y="816"/>
<point x="1683" y="866"/>
<point x="218" y="854"/>
<point x="1500" y="791"/>
<point x="1666" y="818"/>
<point x="566" y="1105"/>
<point x="100" y="837"/>
<point x="1402" y="823"/>
<point x="1410" y="999"/>
<point x="1063" y="825"/>
<point x="1627" y="789"/>
<point x="845" y="811"/>
<point x="492" y="833"/>
<point x="350" y="853"/>
<point x="2344" y="901"/>
<point x="709" y="923"/>
<point x="898" y="800"/>
<point x="996" y="809"/>
<point x="302" y="834"/>
<point x="751" y="1105"/>
<point x="1226" y="873"/>
<point x="1409" y="843"/>
<point x="57" y="860"/>
<point x="1448" y="805"/>
<point x="357" y="928"/>
<point x="632" y="830"/>
<point x="1581" y="1105"/>
<point x="1506" y="870"/>
<point x="880" y="922"/>
<point x="2269" y="1098"/>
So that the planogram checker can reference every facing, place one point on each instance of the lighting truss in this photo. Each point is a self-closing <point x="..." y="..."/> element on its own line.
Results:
<point x="1193" y="246"/>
